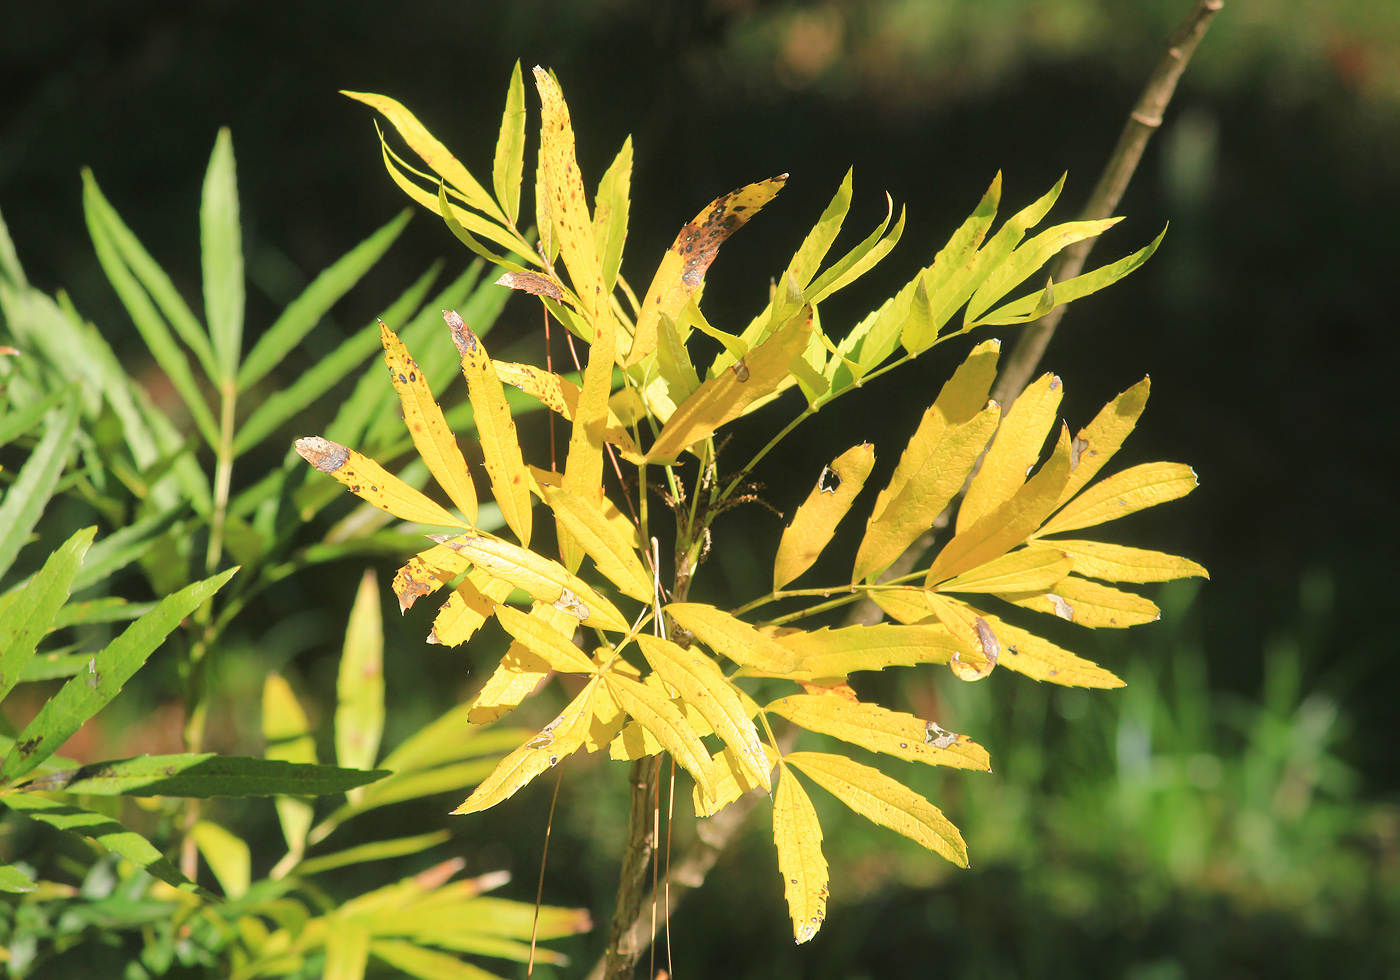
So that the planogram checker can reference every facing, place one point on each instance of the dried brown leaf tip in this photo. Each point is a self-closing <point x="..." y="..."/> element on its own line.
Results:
<point x="699" y="240"/>
<point x="462" y="334"/>
<point x="532" y="283"/>
<point x="323" y="454"/>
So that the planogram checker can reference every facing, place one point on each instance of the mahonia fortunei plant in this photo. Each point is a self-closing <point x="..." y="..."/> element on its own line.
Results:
<point x="670" y="675"/>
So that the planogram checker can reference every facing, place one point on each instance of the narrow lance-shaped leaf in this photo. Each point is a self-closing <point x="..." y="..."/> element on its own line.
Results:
<point x="884" y="801"/>
<point x="359" y="711"/>
<point x="221" y="250"/>
<point x="1015" y="449"/>
<point x="467" y="608"/>
<point x="732" y="637"/>
<point x="1026" y="570"/>
<point x="26" y="498"/>
<point x="831" y="654"/>
<point x="659" y="716"/>
<point x="819" y="240"/>
<point x="287" y="736"/>
<point x="1119" y="563"/>
<point x="374" y="484"/>
<point x="1097" y="442"/>
<point x="520" y="670"/>
<point x="84" y="695"/>
<point x="227" y="855"/>
<point x="1089" y="604"/>
<point x="436" y="444"/>
<point x="510" y="483"/>
<point x="600" y="539"/>
<point x="861" y="259"/>
<point x="509" y="164"/>
<point x="798" y="836"/>
<point x="1038" y="658"/>
<point x="1025" y="260"/>
<point x="31" y="614"/>
<point x="815" y="521"/>
<point x="203" y="775"/>
<point x="881" y="730"/>
<point x="544" y="640"/>
<point x="1122" y="494"/>
<point x="610" y="214"/>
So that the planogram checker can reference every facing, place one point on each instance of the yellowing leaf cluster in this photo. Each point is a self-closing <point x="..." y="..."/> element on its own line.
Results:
<point x="661" y="673"/>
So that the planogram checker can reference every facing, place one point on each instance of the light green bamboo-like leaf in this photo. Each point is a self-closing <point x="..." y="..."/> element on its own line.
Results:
<point x="509" y="164"/>
<point x="227" y="855"/>
<point x="26" y="498"/>
<point x="1024" y="261"/>
<point x="9" y="258"/>
<point x="14" y="880"/>
<point x="426" y="964"/>
<point x="377" y="850"/>
<point x="221" y="248"/>
<point x="84" y="695"/>
<point x="454" y="218"/>
<point x="315" y="301"/>
<point x="105" y="831"/>
<point x="611" y="209"/>
<point x="347" y="949"/>
<point x="25" y="621"/>
<point x="861" y="259"/>
<point x="287" y="735"/>
<point x="359" y="711"/>
<point x="202" y="775"/>
<point x="19" y="421"/>
<point x="808" y="258"/>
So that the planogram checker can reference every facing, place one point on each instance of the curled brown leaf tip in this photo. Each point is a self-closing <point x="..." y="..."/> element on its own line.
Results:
<point x="323" y="454"/>
<point x="462" y="334"/>
<point x="532" y="283"/>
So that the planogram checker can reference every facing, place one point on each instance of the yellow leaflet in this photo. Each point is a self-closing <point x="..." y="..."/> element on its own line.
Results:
<point x="1027" y="570"/>
<point x="734" y="638"/>
<point x="815" y="521"/>
<point x="881" y="730"/>
<point x="1014" y="451"/>
<point x="1089" y="604"/>
<point x="610" y="210"/>
<point x="1042" y="660"/>
<point x="683" y="267"/>
<point x="621" y="523"/>
<point x="601" y="540"/>
<point x="557" y="740"/>
<point x="467" y="608"/>
<point x="1100" y="439"/>
<point x="904" y="604"/>
<point x="798" y="836"/>
<point x="655" y="712"/>
<point x="1117" y="563"/>
<point x="632" y="743"/>
<point x="884" y="801"/>
<point x="560" y="396"/>
<point x="520" y="671"/>
<point x="608" y="719"/>
<point x="828" y="653"/>
<point x="372" y="483"/>
<point x="495" y="429"/>
<point x="928" y="490"/>
<point x="543" y="639"/>
<point x="731" y="779"/>
<point x="702" y="685"/>
<point x="724" y="397"/>
<point x="978" y="645"/>
<point x="1010" y="524"/>
<point x="546" y="581"/>
<point x="433" y="153"/>
<point x="426" y="572"/>
<point x="1123" y="493"/>
<point x="431" y="436"/>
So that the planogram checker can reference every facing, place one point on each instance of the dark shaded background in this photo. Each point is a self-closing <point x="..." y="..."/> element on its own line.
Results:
<point x="1267" y="320"/>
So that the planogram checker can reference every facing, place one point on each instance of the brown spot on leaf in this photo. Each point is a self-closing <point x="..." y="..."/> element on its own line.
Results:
<point x="326" y="456"/>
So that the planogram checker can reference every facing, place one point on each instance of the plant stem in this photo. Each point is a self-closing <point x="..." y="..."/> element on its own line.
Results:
<point x="623" y="953"/>
<point x="1143" y="121"/>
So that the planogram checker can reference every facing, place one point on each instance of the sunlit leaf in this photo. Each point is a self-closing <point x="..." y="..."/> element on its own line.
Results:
<point x="610" y="212"/>
<point x="359" y="711"/>
<point x="560" y="395"/>
<point x="32" y="611"/>
<point x="1122" y="494"/>
<point x="1089" y="604"/>
<point x="1014" y="451"/>
<point x="655" y="712"/>
<point x="467" y="608"/>
<point x="221" y="249"/>
<point x="601" y="540"/>
<point x="798" y="836"/>
<point x="1118" y="563"/>
<point x="374" y="484"/>
<point x="815" y="520"/>
<point x="1038" y="658"/>
<point x="1096" y="443"/>
<point x="809" y="255"/>
<point x="543" y="639"/>
<point x="1027" y="570"/>
<point x="861" y="259"/>
<point x="979" y="647"/>
<point x="732" y="637"/>
<point x="228" y="857"/>
<point x="509" y="164"/>
<point x="426" y="964"/>
<point x="1024" y="261"/>
<point x="374" y="851"/>
<point x="828" y="653"/>
<point x="884" y="801"/>
<point x="287" y="735"/>
<point x="881" y="730"/>
<point x="520" y="670"/>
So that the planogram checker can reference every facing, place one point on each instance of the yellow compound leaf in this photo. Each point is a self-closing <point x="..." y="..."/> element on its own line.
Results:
<point x="608" y="719"/>
<point x="1010" y="524"/>
<point x="431" y="436"/>
<point x="519" y="671"/>
<point x="815" y="521"/>
<point x="701" y="684"/>
<point x="560" y="396"/>
<point x="1100" y="439"/>
<point x="601" y="540"/>
<point x="731" y="779"/>
<point x="1117" y="563"/>
<point x="1090" y="604"/>
<point x="542" y="639"/>
<point x="632" y="743"/>
<point x="468" y="607"/>
<point x="433" y="153"/>
<point x="828" y="653"/>
<point x="546" y="581"/>
<point x="733" y="638"/>
<point x="683" y="267"/>
<point x="905" y="604"/>
<point x="374" y="484"/>
<point x="426" y="572"/>
<point x="724" y="397"/>
<point x="655" y="712"/>
<point x="1027" y="570"/>
<point x="510" y="482"/>
<point x="1042" y="660"/>
<point x="798" y="836"/>
<point x="884" y="801"/>
<point x="557" y="740"/>
<point x="1122" y="494"/>
<point x="927" y="491"/>
<point x="881" y="730"/>
<point x="1014" y="451"/>
<point x="979" y="647"/>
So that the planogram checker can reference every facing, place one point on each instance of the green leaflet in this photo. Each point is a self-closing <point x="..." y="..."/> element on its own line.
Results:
<point x="29" y="494"/>
<point x="28" y="617"/>
<point x="509" y="164"/>
<point x="221" y="252"/>
<point x="203" y="775"/>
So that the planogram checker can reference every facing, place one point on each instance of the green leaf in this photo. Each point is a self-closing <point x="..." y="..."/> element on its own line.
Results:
<point x="509" y="165"/>
<point x="221" y="247"/>
<point x="9" y="258"/>
<point x="426" y="964"/>
<point x="1024" y="261"/>
<point x="18" y="422"/>
<point x="819" y="240"/>
<point x="861" y="259"/>
<point x="228" y="857"/>
<point x="202" y="775"/>
<point x="610" y="212"/>
<point x="304" y="312"/>
<point x="122" y="547"/>
<point x="374" y="851"/>
<point x="28" y="618"/>
<point x="359" y="712"/>
<point x="27" y="497"/>
<point x="85" y="695"/>
<point x="455" y="225"/>
<point x="12" y="879"/>
<point x="287" y="738"/>
<point x="106" y="831"/>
